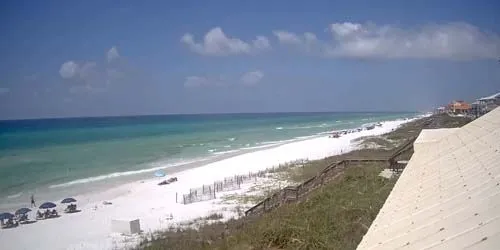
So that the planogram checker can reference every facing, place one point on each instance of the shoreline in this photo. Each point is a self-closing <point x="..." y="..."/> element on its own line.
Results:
<point x="139" y="176"/>
<point x="153" y="204"/>
<point x="104" y="182"/>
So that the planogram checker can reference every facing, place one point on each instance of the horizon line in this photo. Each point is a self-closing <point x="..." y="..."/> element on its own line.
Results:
<point x="208" y="113"/>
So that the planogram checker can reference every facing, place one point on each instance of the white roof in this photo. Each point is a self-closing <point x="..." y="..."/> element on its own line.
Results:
<point x="432" y="136"/>
<point x="448" y="196"/>
<point x="490" y="97"/>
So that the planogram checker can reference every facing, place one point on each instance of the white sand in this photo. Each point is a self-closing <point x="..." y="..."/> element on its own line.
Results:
<point x="152" y="204"/>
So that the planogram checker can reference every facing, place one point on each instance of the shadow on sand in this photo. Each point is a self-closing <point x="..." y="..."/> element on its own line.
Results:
<point x="73" y="212"/>
<point x="27" y="222"/>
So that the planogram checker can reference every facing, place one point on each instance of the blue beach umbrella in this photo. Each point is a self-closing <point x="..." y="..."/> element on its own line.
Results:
<point x="68" y="200"/>
<point x="23" y="210"/>
<point x="6" y="216"/>
<point x="159" y="173"/>
<point x="47" y="205"/>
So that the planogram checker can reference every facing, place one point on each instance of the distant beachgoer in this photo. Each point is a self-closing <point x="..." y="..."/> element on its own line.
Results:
<point x="33" y="204"/>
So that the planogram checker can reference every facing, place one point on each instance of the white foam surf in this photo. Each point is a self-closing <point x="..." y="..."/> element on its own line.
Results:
<point x="15" y="195"/>
<point x="120" y="174"/>
<point x="225" y="152"/>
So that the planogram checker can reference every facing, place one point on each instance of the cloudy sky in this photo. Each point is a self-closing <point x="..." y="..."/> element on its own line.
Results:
<point x="95" y="58"/>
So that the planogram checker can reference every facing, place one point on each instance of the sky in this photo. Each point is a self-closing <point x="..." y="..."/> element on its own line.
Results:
<point x="112" y="58"/>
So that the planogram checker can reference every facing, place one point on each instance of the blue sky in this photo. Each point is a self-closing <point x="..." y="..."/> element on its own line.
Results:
<point x="90" y="58"/>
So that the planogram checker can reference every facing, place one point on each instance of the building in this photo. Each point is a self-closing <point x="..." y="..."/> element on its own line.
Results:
<point x="492" y="99"/>
<point x="485" y="104"/>
<point x="477" y="109"/>
<point x="448" y="196"/>
<point x="490" y="102"/>
<point x="459" y="107"/>
<point x="440" y="110"/>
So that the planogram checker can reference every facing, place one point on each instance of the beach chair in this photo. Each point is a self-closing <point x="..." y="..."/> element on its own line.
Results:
<point x="71" y="208"/>
<point x="11" y="223"/>
<point x="53" y="213"/>
<point x="22" y="218"/>
<point x="46" y="214"/>
<point x="40" y="216"/>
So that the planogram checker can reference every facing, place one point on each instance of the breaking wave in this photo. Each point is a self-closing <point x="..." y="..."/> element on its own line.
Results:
<point x="118" y="174"/>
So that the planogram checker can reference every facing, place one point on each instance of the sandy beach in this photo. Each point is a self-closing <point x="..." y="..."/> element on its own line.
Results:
<point x="154" y="204"/>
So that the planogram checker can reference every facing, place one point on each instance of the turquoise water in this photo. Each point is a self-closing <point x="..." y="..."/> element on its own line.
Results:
<point x="43" y="155"/>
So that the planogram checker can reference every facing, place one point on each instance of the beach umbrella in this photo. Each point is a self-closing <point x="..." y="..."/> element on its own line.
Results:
<point x="23" y="210"/>
<point x="6" y="216"/>
<point x="159" y="173"/>
<point x="68" y="200"/>
<point x="47" y="205"/>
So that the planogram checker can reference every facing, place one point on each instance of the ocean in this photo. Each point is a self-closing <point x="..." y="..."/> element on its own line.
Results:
<point x="53" y="158"/>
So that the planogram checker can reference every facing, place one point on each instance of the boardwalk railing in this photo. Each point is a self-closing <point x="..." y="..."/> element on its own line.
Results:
<point x="288" y="194"/>
<point x="294" y="193"/>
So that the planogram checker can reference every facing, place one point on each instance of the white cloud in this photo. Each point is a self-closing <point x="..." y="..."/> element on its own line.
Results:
<point x="448" y="41"/>
<point x="310" y="37"/>
<point x="73" y="70"/>
<point x="453" y="41"/>
<point x="91" y="77"/>
<point x="112" y="54"/>
<point x="217" y="43"/>
<point x="287" y="37"/>
<point x="69" y="69"/>
<point x="261" y="43"/>
<point x="252" y="78"/>
<point x="308" y="41"/>
<point x="345" y="29"/>
<point x="4" y="91"/>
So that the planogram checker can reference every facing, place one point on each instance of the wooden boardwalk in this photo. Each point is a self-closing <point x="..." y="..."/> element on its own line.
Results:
<point x="292" y="194"/>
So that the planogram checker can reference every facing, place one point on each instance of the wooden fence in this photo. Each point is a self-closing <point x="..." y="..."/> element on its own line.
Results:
<point x="294" y="193"/>
<point x="208" y="192"/>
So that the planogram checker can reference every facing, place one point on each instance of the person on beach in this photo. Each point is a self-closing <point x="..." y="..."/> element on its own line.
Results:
<point x="33" y="204"/>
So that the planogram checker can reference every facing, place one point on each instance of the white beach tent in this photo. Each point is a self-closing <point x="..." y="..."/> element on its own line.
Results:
<point x="126" y="226"/>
